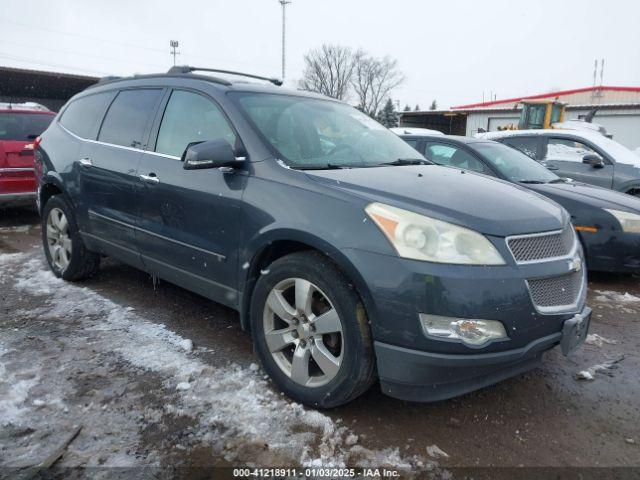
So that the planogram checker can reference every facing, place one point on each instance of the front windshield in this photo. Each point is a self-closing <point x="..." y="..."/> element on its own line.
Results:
<point x="313" y="133"/>
<point x="513" y="164"/>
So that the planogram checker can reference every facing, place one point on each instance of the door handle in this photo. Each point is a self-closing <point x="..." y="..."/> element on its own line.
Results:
<point x="85" y="162"/>
<point x="151" y="178"/>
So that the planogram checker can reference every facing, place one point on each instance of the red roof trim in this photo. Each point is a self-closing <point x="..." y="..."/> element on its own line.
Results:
<point x="547" y="95"/>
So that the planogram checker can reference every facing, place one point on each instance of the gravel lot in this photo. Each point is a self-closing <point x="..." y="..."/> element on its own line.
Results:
<point x="162" y="377"/>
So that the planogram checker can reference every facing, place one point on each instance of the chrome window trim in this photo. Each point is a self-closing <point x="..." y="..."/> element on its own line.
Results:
<point x="164" y="155"/>
<point x="123" y="147"/>
<point x="143" y="230"/>
<point x="571" y="253"/>
<point x="148" y="152"/>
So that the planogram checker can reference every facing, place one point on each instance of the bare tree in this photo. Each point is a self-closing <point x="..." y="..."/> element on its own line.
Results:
<point x="373" y="79"/>
<point x="328" y="70"/>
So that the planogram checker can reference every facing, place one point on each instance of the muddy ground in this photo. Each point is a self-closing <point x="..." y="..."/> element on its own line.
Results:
<point x="163" y="377"/>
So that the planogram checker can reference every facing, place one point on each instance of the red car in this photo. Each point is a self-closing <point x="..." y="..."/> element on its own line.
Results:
<point x="20" y="125"/>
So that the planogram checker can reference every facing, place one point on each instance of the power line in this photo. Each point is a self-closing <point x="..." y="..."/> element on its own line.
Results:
<point x="89" y="55"/>
<point x="79" y="35"/>
<point x="54" y="65"/>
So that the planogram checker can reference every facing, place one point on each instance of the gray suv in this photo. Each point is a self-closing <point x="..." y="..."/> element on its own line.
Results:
<point x="348" y="256"/>
<point x="584" y="156"/>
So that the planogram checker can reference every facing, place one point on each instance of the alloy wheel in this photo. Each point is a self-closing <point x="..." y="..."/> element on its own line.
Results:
<point x="58" y="239"/>
<point x="303" y="332"/>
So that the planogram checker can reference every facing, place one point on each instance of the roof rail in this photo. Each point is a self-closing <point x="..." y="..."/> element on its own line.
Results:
<point x="188" y="69"/>
<point x="108" y="78"/>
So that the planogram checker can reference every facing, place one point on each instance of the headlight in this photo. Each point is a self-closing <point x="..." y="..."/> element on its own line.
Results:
<point x="630" y="222"/>
<point x="422" y="238"/>
<point x="471" y="332"/>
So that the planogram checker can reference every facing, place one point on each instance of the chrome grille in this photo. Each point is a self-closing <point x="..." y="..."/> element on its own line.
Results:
<point x="543" y="246"/>
<point x="553" y="293"/>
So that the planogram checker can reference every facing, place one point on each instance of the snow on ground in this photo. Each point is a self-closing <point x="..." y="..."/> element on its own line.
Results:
<point x="623" y="302"/>
<point x="235" y="411"/>
<point x="598" y="340"/>
<point x="605" y="368"/>
<point x="611" y="296"/>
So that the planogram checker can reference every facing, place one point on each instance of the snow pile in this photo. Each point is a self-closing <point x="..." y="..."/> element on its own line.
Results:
<point x="435" y="451"/>
<point x="598" y="341"/>
<point x="604" y="368"/>
<point x="14" y="391"/>
<point x="611" y="296"/>
<point x="236" y="411"/>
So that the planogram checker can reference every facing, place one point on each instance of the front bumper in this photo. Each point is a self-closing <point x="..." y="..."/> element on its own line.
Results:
<point x="428" y="377"/>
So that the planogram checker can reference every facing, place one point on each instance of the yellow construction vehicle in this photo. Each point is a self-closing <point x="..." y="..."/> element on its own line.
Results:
<point x="539" y="114"/>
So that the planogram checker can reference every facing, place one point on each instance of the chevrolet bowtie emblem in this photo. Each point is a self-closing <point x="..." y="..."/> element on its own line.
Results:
<point x="575" y="265"/>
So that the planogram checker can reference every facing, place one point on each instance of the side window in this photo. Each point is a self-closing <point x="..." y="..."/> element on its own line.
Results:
<point x="527" y="145"/>
<point x="84" y="116"/>
<point x="451" y="156"/>
<point x="414" y="143"/>
<point x="128" y="117"/>
<point x="567" y="150"/>
<point x="190" y="117"/>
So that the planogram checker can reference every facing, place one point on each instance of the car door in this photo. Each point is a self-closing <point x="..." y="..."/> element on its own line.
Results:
<point x="564" y="156"/>
<point x="108" y="171"/>
<point x="189" y="220"/>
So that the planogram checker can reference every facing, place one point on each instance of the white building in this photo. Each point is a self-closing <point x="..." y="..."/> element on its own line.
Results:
<point x="618" y="111"/>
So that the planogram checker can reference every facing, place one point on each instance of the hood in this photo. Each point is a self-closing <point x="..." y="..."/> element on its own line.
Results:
<point x="589" y="195"/>
<point x="489" y="206"/>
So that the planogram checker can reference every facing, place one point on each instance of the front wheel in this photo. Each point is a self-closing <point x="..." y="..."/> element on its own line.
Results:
<point x="66" y="254"/>
<point x="311" y="332"/>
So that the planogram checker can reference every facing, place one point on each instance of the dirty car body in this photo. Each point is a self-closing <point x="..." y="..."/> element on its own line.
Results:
<point x="608" y="222"/>
<point x="305" y="174"/>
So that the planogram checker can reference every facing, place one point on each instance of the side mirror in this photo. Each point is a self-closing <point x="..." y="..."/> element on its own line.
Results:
<point x="594" y="160"/>
<point x="209" y="154"/>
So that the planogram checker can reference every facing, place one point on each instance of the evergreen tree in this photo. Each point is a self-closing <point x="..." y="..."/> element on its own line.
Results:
<point x="388" y="115"/>
<point x="407" y="108"/>
<point x="417" y="109"/>
<point x="434" y="105"/>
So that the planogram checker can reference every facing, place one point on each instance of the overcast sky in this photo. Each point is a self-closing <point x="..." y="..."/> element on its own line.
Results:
<point x="451" y="51"/>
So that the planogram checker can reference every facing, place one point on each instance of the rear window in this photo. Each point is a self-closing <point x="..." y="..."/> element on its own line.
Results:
<point x="128" y="117"/>
<point x="23" y="126"/>
<point x="84" y="116"/>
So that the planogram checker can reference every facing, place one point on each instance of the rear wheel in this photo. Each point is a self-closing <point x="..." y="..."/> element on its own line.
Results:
<point x="66" y="254"/>
<point x="310" y="331"/>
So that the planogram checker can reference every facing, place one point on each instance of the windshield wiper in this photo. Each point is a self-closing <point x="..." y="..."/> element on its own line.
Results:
<point x="558" y="180"/>
<point x="408" y="161"/>
<point x="531" y="181"/>
<point x="326" y="166"/>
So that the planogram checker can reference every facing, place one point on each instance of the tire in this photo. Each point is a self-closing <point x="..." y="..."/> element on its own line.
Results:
<point x="66" y="254"/>
<point x="345" y="366"/>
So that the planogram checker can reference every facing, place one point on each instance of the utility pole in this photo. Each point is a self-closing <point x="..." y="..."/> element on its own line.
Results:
<point x="174" y="44"/>
<point x="284" y="4"/>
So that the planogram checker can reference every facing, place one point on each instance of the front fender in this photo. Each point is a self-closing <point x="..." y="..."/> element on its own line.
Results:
<point x="251" y="258"/>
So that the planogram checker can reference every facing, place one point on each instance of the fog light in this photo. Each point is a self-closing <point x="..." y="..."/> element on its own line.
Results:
<point x="470" y="331"/>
